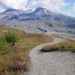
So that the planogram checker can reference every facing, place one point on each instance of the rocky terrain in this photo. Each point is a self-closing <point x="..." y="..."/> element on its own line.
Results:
<point x="40" y="20"/>
<point x="52" y="63"/>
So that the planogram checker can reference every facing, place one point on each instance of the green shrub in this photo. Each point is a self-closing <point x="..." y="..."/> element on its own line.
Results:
<point x="11" y="38"/>
<point x="63" y="46"/>
<point x="49" y="49"/>
<point x="3" y="46"/>
<point x="72" y="49"/>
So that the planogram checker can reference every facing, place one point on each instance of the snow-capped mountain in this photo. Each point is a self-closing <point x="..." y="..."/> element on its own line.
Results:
<point x="39" y="19"/>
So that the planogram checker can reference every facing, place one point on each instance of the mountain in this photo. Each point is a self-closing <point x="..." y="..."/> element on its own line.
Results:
<point x="40" y="19"/>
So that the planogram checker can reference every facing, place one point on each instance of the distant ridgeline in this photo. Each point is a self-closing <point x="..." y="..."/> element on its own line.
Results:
<point x="40" y="20"/>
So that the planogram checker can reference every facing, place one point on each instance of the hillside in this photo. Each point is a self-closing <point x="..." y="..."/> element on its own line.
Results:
<point x="15" y="46"/>
<point x="40" y="20"/>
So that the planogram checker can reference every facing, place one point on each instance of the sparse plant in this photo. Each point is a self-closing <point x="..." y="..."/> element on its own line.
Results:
<point x="17" y="66"/>
<point x="3" y="46"/>
<point x="49" y="48"/>
<point x="63" y="46"/>
<point x="11" y="38"/>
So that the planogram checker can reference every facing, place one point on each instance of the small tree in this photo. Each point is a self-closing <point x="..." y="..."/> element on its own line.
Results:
<point x="11" y="38"/>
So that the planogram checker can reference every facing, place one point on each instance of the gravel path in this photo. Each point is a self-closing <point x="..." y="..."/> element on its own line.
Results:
<point x="52" y="63"/>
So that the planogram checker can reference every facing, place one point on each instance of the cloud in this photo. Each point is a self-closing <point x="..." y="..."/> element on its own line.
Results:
<point x="52" y="5"/>
<point x="73" y="8"/>
<point x="69" y="10"/>
<point x="2" y="7"/>
<point x="17" y="4"/>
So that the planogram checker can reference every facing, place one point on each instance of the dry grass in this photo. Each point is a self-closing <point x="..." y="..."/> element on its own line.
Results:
<point x="63" y="46"/>
<point x="21" y="51"/>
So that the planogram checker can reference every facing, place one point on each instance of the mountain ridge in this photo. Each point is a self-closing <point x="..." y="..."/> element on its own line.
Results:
<point x="45" y="18"/>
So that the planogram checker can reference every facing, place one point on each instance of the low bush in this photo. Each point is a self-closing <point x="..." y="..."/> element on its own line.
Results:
<point x="63" y="46"/>
<point x="49" y="49"/>
<point x="11" y="38"/>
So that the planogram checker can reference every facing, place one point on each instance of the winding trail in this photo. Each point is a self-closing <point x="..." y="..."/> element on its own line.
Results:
<point x="51" y="63"/>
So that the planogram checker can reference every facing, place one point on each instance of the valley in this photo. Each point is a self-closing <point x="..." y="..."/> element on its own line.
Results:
<point x="23" y="36"/>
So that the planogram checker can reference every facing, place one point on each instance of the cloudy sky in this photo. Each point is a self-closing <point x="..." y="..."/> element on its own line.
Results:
<point x="66" y="7"/>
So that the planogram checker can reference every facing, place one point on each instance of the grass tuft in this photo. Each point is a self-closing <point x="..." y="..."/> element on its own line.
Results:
<point x="63" y="46"/>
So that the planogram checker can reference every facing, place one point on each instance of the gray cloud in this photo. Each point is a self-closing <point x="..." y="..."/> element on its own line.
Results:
<point x="52" y="5"/>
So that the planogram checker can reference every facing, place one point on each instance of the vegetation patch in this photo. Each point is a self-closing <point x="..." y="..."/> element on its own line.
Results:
<point x="3" y="46"/>
<point x="63" y="46"/>
<point x="15" y="46"/>
<point x="11" y="38"/>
